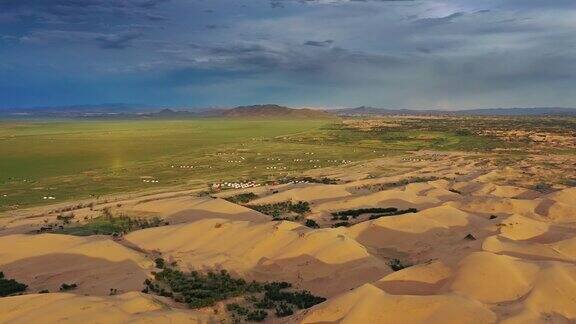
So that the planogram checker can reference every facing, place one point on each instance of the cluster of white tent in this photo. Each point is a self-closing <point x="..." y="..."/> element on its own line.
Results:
<point x="150" y="180"/>
<point x="48" y="198"/>
<point x="298" y="181"/>
<point x="183" y="166"/>
<point x="236" y="185"/>
<point x="277" y="168"/>
<point x="411" y="159"/>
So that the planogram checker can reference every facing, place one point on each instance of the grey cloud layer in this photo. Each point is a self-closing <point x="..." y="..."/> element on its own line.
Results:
<point x="418" y="53"/>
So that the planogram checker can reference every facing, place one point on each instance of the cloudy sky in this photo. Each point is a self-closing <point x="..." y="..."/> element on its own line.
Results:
<point x="450" y="54"/>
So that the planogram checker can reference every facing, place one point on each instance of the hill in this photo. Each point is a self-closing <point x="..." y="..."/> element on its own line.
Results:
<point x="274" y="111"/>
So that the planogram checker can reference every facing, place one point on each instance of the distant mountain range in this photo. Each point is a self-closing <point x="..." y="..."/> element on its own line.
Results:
<point x="133" y="111"/>
<point x="260" y="111"/>
<point x="79" y="110"/>
<point x="539" y="111"/>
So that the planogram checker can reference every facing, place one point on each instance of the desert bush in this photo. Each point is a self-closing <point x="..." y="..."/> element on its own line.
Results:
<point x="243" y="198"/>
<point x="200" y="290"/>
<point x="397" y="265"/>
<point x="109" y="225"/>
<point x="160" y="263"/>
<point x="276" y="210"/>
<point x="542" y="187"/>
<point x="10" y="286"/>
<point x="67" y="287"/>
<point x="311" y="223"/>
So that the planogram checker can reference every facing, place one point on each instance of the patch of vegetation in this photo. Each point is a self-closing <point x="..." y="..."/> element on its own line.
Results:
<point x="311" y="223"/>
<point x="254" y="300"/>
<point x="542" y="187"/>
<point x="323" y="180"/>
<point x="379" y="212"/>
<point x="68" y="287"/>
<point x="397" y="265"/>
<point x="277" y="210"/>
<point x="10" y="286"/>
<point x="463" y="132"/>
<point x="160" y="263"/>
<point x="111" y="225"/>
<point x="569" y="182"/>
<point x="243" y="198"/>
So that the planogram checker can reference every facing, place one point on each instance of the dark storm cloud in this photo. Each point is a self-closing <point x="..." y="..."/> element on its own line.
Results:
<point x="325" y="43"/>
<point x="429" y="22"/>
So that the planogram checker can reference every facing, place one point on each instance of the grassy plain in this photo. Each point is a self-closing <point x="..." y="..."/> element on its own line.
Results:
<point x="81" y="159"/>
<point x="78" y="159"/>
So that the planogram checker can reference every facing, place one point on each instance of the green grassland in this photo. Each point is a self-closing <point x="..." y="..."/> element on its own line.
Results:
<point x="81" y="159"/>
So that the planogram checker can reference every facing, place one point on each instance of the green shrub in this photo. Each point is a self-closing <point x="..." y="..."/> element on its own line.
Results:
<point x="311" y="223"/>
<point x="243" y="198"/>
<point x="397" y="265"/>
<point x="257" y="316"/>
<point x="10" y="286"/>
<point x="67" y="287"/>
<point x="160" y="263"/>
<point x="200" y="290"/>
<point x="542" y="187"/>
<point x="109" y="225"/>
<point x="355" y="213"/>
<point x="283" y="310"/>
<point x="276" y="210"/>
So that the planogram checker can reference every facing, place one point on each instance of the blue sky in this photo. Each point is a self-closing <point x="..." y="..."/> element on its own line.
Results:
<point x="323" y="53"/>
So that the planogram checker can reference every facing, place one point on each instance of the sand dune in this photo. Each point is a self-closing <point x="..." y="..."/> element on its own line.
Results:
<point x="187" y="209"/>
<point x="369" y="304"/>
<point x="69" y="308"/>
<point x="274" y="250"/>
<point x="96" y="264"/>
<point x="492" y="278"/>
<point x="422" y="279"/>
<point x="562" y="251"/>
<point x="399" y="198"/>
<point x="422" y="235"/>
<point x="565" y="196"/>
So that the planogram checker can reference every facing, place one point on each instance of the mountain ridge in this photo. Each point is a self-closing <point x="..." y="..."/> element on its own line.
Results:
<point x="119" y="110"/>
